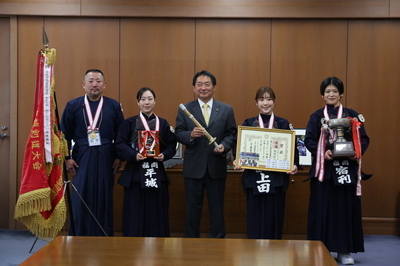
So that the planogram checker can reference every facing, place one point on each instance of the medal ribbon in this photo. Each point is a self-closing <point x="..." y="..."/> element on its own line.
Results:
<point x="93" y="122"/>
<point x="358" y="192"/>
<point x="148" y="131"/>
<point x="355" y="126"/>
<point x="319" y="168"/>
<point x="270" y="123"/>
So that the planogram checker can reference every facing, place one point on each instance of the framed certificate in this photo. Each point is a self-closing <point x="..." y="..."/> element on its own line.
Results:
<point x="265" y="149"/>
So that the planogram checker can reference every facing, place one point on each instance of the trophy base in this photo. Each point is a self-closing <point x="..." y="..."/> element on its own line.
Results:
<point x="343" y="149"/>
<point x="150" y="153"/>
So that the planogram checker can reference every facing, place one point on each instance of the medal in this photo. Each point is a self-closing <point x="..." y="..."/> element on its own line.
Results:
<point x="93" y="132"/>
<point x="92" y="135"/>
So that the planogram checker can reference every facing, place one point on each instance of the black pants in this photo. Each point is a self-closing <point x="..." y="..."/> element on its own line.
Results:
<point x="215" y="189"/>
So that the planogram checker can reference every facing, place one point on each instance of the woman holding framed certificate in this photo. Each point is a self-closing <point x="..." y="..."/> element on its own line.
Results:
<point x="336" y="138"/>
<point x="265" y="190"/>
<point x="145" y="141"/>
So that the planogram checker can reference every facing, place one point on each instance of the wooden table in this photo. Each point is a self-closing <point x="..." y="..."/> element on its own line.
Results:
<point x="67" y="250"/>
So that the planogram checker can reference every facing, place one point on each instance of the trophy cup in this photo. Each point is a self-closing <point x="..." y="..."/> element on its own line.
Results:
<point x="341" y="147"/>
<point x="148" y="142"/>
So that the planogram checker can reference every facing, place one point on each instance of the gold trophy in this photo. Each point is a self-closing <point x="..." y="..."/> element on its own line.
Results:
<point x="341" y="147"/>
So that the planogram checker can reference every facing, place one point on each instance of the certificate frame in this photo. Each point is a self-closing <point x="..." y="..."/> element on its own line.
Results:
<point x="265" y="149"/>
<point x="305" y="157"/>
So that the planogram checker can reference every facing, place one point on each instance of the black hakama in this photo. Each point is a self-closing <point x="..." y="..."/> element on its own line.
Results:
<point x="265" y="214"/>
<point x="334" y="217"/>
<point x="145" y="210"/>
<point x="94" y="178"/>
<point x="266" y="211"/>
<point x="334" y="213"/>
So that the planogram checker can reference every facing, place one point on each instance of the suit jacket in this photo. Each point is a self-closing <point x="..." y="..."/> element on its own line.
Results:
<point x="199" y="154"/>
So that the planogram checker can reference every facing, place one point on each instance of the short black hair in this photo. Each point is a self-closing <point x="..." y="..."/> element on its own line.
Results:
<point x="204" y="73"/>
<point x="95" y="71"/>
<point x="332" y="81"/>
<point x="143" y="90"/>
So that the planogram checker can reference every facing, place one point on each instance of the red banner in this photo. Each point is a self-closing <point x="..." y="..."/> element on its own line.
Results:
<point x="41" y="206"/>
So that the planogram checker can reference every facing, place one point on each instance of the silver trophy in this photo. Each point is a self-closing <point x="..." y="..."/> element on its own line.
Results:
<point x="341" y="147"/>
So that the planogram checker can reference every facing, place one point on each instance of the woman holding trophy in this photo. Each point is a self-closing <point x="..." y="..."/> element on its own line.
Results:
<point x="145" y="141"/>
<point x="266" y="207"/>
<point x="337" y="139"/>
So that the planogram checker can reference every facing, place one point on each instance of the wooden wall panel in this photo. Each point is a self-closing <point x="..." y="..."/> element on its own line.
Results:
<point x="394" y="8"/>
<point x="292" y="56"/>
<point x="237" y="8"/>
<point x="237" y="52"/>
<point x="82" y="44"/>
<point x="206" y="8"/>
<point x="373" y="80"/>
<point x="41" y="7"/>
<point x="305" y="52"/>
<point x="159" y="54"/>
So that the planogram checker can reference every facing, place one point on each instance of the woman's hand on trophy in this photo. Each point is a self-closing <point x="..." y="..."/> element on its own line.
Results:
<point x="140" y="157"/>
<point x="159" y="157"/>
<point x="328" y="155"/>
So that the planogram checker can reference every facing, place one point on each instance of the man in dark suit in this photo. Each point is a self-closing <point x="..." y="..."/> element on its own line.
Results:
<point x="204" y="164"/>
